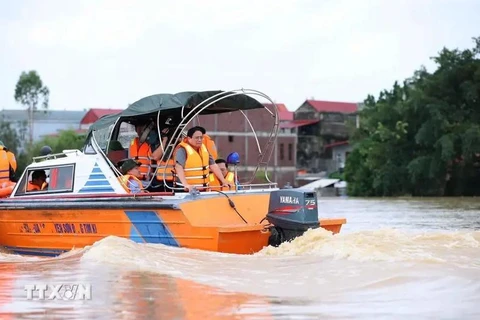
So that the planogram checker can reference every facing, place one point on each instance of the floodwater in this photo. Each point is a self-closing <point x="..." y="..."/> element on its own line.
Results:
<point x="394" y="259"/>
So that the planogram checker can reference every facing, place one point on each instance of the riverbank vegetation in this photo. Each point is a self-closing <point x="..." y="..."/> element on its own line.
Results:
<point x="67" y="139"/>
<point x="422" y="137"/>
<point x="32" y="94"/>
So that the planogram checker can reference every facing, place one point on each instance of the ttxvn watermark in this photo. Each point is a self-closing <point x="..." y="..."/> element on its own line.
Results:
<point x="45" y="291"/>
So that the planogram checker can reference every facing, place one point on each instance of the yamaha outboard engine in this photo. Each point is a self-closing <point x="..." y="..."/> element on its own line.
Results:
<point x="292" y="212"/>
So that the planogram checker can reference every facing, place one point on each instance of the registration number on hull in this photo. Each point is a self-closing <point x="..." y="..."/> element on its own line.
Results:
<point x="68" y="228"/>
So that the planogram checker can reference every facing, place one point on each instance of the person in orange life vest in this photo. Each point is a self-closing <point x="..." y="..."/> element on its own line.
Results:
<point x="39" y="181"/>
<point x="210" y="144"/>
<point x="211" y="147"/>
<point x="229" y="176"/>
<point x="193" y="162"/>
<point x="131" y="176"/>
<point x="141" y="150"/>
<point x="8" y="164"/>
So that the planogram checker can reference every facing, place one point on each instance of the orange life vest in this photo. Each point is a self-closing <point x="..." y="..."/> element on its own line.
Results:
<point x="33" y="187"/>
<point x="165" y="167"/>
<point x="196" y="165"/>
<point x="6" y="188"/>
<point x="215" y="183"/>
<point x="7" y="163"/>
<point x="142" y="154"/>
<point x="211" y="147"/>
<point x="125" y="182"/>
<point x="209" y="143"/>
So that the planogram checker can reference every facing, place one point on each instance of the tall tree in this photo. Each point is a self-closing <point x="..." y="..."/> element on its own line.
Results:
<point x="29" y="91"/>
<point x="9" y="136"/>
<point x="422" y="137"/>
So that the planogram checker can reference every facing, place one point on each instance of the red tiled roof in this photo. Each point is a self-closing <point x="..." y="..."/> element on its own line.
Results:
<point x="330" y="106"/>
<point x="296" y="123"/>
<point x="285" y="115"/>
<point x="94" y="114"/>
<point x="280" y="106"/>
<point x="336" y="144"/>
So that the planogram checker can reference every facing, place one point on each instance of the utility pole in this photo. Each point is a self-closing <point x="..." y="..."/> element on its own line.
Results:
<point x="30" y="121"/>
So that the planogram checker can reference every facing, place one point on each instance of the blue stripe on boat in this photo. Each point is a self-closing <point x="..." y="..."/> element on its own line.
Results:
<point x="99" y="189"/>
<point x="150" y="227"/>
<point x="135" y="236"/>
<point x="97" y="176"/>
<point x="97" y="183"/>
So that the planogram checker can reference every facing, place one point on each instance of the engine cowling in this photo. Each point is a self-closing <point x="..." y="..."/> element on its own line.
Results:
<point x="291" y="212"/>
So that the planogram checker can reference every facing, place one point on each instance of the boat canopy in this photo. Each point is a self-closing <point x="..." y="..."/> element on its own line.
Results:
<point x="178" y="104"/>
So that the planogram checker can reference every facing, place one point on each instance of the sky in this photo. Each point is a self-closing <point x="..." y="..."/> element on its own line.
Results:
<point x="107" y="54"/>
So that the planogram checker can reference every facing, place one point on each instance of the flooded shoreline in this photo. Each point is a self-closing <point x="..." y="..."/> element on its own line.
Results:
<point x="393" y="259"/>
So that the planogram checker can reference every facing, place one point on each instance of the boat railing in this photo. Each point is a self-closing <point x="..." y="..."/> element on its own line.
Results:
<point x="179" y="133"/>
<point x="263" y="157"/>
<point x="50" y="156"/>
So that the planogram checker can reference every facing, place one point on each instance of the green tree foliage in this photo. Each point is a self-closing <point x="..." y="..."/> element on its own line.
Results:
<point x="422" y="137"/>
<point x="29" y="91"/>
<point x="9" y="136"/>
<point x="65" y="140"/>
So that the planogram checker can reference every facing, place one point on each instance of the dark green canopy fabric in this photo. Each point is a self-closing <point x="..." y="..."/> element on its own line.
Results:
<point x="172" y="104"/>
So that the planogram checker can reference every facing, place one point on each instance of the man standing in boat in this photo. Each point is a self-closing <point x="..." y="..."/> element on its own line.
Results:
<point x="8" y="165"/>
<point x="193" y="162"/>
<point x="141" y="150"/>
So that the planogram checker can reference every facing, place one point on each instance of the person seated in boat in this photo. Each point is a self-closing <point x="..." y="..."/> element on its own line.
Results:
<point x="8" y="164"/>
<point x="39" y="181"/>
<point x="193" y="162"/>
<point x="228" y="175"/>
<point x="141" y="150"/>
<point x="131" y="176"/>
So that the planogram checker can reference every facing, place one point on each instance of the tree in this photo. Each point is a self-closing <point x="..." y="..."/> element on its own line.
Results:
<point x="9" y="136"/>
<point x="29" y="91"/>
<point x="67" y="139"/>
<point x="423" y="136"/>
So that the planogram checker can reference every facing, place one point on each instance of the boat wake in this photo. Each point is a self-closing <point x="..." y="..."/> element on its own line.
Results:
<point x="387" y="245"/>
<point x="342" y="263"/>
<point x="382" y="245"/>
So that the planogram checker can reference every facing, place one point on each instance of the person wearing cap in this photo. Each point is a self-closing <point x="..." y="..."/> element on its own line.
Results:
<point x="130" y="180"/>
<point x="193" y="162"/>
<point x="8" y="164"/>
<point x="228" y="175"/>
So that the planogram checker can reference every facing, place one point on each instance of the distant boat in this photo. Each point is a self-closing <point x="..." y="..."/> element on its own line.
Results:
<point x="335" y="187"/>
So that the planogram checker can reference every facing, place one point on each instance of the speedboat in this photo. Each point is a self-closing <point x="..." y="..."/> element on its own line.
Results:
<point x="85" y="200"/>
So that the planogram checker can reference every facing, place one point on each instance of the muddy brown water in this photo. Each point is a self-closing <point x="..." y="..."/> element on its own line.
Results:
<point x="394" y="259"/>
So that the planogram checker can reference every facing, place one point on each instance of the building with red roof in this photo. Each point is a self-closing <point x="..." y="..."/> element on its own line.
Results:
<point x="93" y="115"/>
<point x="322" y="134"/>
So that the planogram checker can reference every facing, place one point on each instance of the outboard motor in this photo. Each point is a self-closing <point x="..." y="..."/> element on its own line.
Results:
<point x="292" y="212"/>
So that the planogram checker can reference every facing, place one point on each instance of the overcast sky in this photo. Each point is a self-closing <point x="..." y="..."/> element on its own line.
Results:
<point x="106" y="54"/>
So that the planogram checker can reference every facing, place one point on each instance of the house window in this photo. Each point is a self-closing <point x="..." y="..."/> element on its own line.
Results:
<point x="282" y="152"/>
<point x="290" y="151"/>
<point x="230" y="138"/>
<point x="59" y="179"/>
